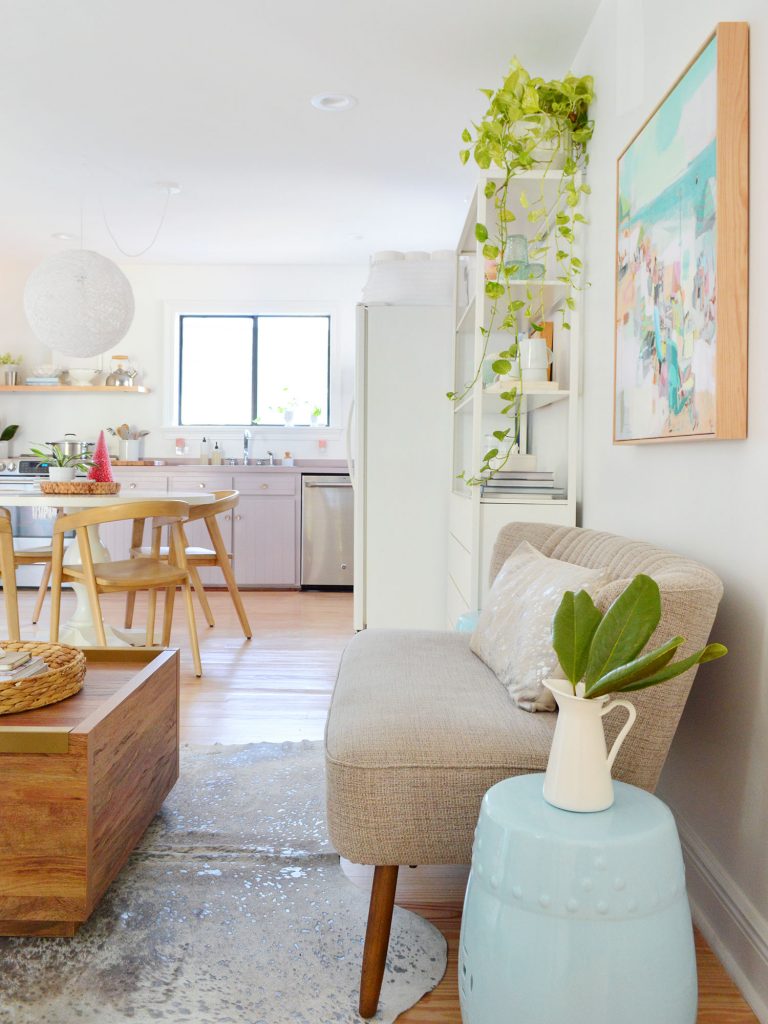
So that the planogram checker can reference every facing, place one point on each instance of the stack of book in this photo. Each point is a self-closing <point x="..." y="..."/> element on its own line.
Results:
<point x="41" y="381"/>
<point x="15" y="665"/>
<point x="527" y="483"/>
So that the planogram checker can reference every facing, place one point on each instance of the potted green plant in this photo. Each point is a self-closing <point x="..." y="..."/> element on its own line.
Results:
<point x="601" y="655"/>
<point x="61" y="467"/>
<point x="530" y="125"/>
<point x="10" y="365"/>
<point x="6" y="437"/>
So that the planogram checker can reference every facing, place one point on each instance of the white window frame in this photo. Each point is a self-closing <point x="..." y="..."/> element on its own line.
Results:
<point x="173" y="313"/>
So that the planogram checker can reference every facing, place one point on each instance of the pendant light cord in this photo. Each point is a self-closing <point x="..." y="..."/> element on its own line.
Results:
<point x="168" y="193"/>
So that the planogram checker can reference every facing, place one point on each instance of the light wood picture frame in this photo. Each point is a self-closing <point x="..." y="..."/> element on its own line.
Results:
<point x="682" y="256"/>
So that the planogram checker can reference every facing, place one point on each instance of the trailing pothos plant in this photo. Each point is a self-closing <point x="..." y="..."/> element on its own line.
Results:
<point x="530" y="124"/>
<point x="601" y="654"/>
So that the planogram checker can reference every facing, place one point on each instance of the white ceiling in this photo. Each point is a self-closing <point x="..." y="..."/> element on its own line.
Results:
<point x="101" y="99"/>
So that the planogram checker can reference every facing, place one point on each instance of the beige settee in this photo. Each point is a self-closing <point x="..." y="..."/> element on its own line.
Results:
<point x="419" y="728"/>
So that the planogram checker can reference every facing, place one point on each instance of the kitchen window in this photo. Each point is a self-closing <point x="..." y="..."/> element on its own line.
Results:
<point x="241" y="369"/>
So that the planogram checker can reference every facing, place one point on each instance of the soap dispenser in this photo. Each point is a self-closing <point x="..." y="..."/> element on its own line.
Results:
<point x="216" y="455"/>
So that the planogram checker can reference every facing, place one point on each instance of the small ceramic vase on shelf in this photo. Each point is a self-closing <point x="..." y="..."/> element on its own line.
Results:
<point x="578" y="774"/>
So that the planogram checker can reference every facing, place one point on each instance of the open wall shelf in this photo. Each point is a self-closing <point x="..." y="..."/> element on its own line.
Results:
<point x="85" y="389"/>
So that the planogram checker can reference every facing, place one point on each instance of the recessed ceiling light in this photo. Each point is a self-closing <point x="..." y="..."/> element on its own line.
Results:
<point x="333" y="101"/>
<point x="63" y="236"/>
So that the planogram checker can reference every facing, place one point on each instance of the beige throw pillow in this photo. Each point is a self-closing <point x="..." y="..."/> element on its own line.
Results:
<point x="514" y="631"/>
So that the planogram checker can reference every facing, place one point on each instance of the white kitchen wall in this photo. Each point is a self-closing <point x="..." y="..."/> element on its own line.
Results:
<point x="706" y="500"/>
<point x="157" y="290"/>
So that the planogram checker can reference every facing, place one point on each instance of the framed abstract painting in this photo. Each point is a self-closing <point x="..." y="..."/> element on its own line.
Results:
<point x="680" y="366"/>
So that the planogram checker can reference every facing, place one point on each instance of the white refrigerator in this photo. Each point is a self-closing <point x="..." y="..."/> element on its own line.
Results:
<point x="400" y="465"/>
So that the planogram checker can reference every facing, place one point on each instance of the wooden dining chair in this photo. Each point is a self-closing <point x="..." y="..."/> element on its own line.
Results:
<point x="8" y="574"/>
<point x="150" y="573"/>
<point x="197" y="557"/>
<point x="37" y="556"/>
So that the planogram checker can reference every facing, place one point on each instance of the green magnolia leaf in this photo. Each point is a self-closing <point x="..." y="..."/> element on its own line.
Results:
<point x="536" y="328"/>
<point x="585" y="189"/>
<point x="501" y="435"/>
<point x="490" y="188"/>
<point x="465" y="136"/>
<point x="506" y="215"/>
<point x="635" y="670"/>
<point x="524" y="200"/>
<point x="494" y="289"/>
<point x="508" y="396"/>
<point x="501" y="366"/>
<point x="708" y="653"/>
<point x="570" y="303"/>
<point x="490" y="454"/>
<point x="490" y="251"/>
<point x="481" y="232"/>
<point x="625" y="629"/>
<point x="450" y="394"/>
<point x="573" y="627"/>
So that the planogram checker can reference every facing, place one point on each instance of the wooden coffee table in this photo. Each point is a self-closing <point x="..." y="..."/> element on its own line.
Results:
<point x="80" y="782"/>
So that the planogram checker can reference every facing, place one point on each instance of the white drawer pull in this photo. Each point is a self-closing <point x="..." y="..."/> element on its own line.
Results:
<point x="201" y="486"/>
<point x="132" y="487"/>
<point x="264" y="487"/>
<point x="238" y="517"/>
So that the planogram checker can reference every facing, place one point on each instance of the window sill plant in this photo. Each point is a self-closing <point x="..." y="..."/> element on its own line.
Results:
<point x="601" y="655"/>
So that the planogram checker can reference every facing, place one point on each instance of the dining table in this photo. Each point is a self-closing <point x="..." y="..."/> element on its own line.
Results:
<point x="79" y="630"/>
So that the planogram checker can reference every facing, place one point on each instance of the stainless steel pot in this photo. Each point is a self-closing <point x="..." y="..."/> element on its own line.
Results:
<point x="71" y="446"/>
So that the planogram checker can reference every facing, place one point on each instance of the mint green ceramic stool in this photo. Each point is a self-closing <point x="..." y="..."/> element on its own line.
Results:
<point x="576" y="918"/>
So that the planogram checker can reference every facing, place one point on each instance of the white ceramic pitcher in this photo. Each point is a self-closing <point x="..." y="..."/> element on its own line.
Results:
<point x="578" y="774"/>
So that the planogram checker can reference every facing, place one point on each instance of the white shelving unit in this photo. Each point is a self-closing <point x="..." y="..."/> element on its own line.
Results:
<point x="549" y="417"/>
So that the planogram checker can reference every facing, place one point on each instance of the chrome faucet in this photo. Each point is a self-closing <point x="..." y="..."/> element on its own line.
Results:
<point x="271" y="458"/>
<point x="246" y="446"/>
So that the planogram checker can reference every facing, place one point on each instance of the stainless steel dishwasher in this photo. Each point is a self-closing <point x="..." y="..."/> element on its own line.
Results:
<point x="326" y="531"/>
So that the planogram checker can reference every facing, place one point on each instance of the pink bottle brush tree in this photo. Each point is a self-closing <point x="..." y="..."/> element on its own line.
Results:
<point x="101" y="469"/>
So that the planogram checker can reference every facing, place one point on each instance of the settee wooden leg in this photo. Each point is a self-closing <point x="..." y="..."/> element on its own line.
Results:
<point x="377" y="937"/>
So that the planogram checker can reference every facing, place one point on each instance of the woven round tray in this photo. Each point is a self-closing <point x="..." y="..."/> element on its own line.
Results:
<point x="66" y="671"/>
<point x="78" y="487"/>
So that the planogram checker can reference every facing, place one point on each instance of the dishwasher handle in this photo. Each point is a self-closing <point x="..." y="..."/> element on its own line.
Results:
<point x="328" y="485"/>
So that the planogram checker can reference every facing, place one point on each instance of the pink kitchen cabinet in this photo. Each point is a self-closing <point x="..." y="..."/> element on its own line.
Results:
<point x="266" y="541"/>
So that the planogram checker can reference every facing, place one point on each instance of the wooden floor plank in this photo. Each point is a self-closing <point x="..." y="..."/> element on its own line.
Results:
<point x="277" y="687"/>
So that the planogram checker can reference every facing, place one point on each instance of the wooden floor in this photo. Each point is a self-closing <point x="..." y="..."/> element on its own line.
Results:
<point x="277" y="687"/>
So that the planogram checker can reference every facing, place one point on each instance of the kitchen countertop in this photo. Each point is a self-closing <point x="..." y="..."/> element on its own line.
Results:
<point x="299" y="466"/>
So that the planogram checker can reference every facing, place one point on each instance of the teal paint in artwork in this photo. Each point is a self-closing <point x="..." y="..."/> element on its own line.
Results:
<point x="667" y="120"/>
<point x="691" y="190"/>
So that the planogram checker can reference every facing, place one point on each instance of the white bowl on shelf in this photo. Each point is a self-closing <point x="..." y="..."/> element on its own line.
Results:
<point x="47" y="370"/>
<point x="83" y="376"/>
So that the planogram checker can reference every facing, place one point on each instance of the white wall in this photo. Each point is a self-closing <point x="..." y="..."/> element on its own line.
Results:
<point x="157" y="289"/>
<point x="706" y="500"/>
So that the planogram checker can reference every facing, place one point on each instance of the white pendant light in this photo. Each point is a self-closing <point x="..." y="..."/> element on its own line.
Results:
<point x="79" y="303"/>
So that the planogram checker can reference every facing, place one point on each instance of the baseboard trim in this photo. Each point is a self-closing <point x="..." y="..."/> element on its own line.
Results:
<point x="736" y="932"/>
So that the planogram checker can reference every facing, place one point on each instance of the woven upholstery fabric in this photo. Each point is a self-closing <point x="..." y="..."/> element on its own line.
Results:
<point x="419" y="728"/>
